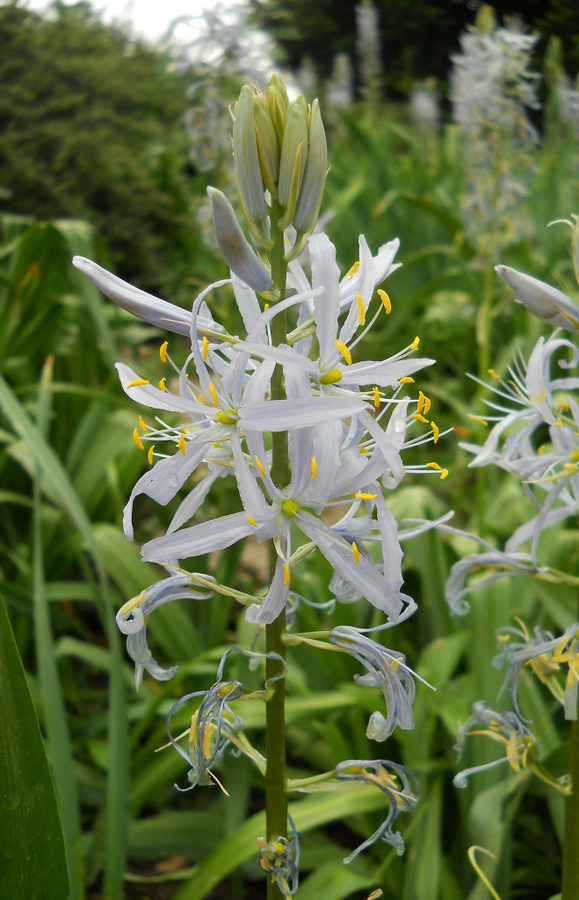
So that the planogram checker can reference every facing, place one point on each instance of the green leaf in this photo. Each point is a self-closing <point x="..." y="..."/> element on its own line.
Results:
<point x="32" y="859"/>
<point x="240" y="846"/>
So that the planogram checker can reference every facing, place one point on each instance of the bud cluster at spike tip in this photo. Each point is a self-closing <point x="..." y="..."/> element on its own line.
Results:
<point x="279" y="148"/>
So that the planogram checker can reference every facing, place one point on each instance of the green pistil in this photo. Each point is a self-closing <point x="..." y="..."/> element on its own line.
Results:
<point x="226" y="418"/>
<point x="290" y="508"/>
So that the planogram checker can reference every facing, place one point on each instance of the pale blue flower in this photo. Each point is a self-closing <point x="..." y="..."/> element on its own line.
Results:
<point x="545" y="654"/>
<point x="386" y="670"/>
<point x="132" y="619"/>
<point x="400" y="787"/>
<point x="213" y="728"/>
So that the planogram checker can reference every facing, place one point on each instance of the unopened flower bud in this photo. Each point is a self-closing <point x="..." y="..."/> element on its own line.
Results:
<point x="267" y="146"/>
<point x="545" y="302"/>
<point x="234" y="246"/>
<point x="247" y="168"/>
<point x="294" y="153"/>
<point x="277" y="104"/>
<point x="312" y="187"/>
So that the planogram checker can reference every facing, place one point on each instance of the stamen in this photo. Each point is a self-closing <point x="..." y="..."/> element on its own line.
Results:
<point x="341" y="347"/>
<point x="181" y="444"/>
<point x="420" y="404"/>
<point x="162" y="385"/>
<point x="493" y="374"/>
<point x="360" y="496"/>
<point x="435" y="431"/>
<point x="200" y="399"/>
<point x="353" y="270"/>
<point x="138" y="382"/>
<point x="376" y="396"/>
<point x="361" y="309"/>
<point x="205" y="347"/>
<point x="265" y="307"/>
<point x="420" y="418"/>
<point x="415" y="343"/>
<point x="478" y="419"/>
<point x="427" y="405"/>
<point x="163" y="351"/>
<point x="144" y="428"/>
<point x="406" y="380"/>
<point x="286" y="574"/>
<point x="251" y="521"/>
<point x="213" y="393"/>
<point x="262" y="471"/>
<point x="137" y="439"/>
<point x="386" y="302"/>
<point x="150" y="454"/>
<point x="355" y="552"/>
<point x="434" y="465"/>
<point x="314" y="468"/>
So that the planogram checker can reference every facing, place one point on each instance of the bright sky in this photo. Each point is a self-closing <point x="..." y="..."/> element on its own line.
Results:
<point x="148" y="18"/>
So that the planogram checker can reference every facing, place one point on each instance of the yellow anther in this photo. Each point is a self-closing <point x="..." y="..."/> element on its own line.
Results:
<point x="360" y="496"/>
<point x="201" y="399"/>
<point x="415" y="343"/>
<point x="262" y="471"/>
<point x="144" y="428"/>
<point x="434" y="465"/>
<point x="265" y="306"/>
<point x="205" y="347"/>
<point x="162" y="385"/>
<point x="386" y="302"/>
<point x="376" y="397"/>
<point x="435" y="431"/>
<point x="150" y="454"/>
<point x="361" y="309"/>
<point x="574" y="456"/>
<point x="571" y="468"/>
<point x="355" y="552"/>
<point x="406" y="380"/>
<point x="503" y="638"/>
<point x="420" y="418"/>
<point x="493" y="374"/>
<point x="138" y="382"/>
<point x="163" y="351"/>
<point x="427" y="405"/>
<point x="478" y="419"/>
<point x="137" y="439"/>
<point x="314" y="468"/>
<point x="559" y="422"/>
<point x="341" y="347"/>
<point x="286" y="574"/>
<point x="421" y="401"/>
<point x="251" y="521"/>
<point x="213" y="393"/>
<point x="353" y="270"/>
<point x="181" y="444"/>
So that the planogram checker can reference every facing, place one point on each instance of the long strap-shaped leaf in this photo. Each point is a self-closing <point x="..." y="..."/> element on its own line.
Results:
<point x="33" y="853"/>
<point x="58" y="486"/>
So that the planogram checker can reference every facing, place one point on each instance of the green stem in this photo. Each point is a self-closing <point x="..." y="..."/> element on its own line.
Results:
<point x="275" y="752"/>
<point x="570" y="880"/>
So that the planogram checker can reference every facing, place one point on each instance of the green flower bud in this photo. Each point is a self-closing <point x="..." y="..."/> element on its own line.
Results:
<point x="312" y="187"/>
<point x="247" y="168"/>
<point x="267" y="146"/>
<point x="234" y="246"/>
<point x="277" y="104"/>
<point x="294" y="153"/>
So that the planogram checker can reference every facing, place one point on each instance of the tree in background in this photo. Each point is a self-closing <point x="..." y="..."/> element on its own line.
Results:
<point x="417" y="36"/>
<point x="92" y="128"/>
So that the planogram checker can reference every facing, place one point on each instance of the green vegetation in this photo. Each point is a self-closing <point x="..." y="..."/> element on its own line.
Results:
<point x="110" y="151"/>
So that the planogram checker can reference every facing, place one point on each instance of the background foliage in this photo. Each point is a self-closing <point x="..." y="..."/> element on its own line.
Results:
<point x="99" y="135"/>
